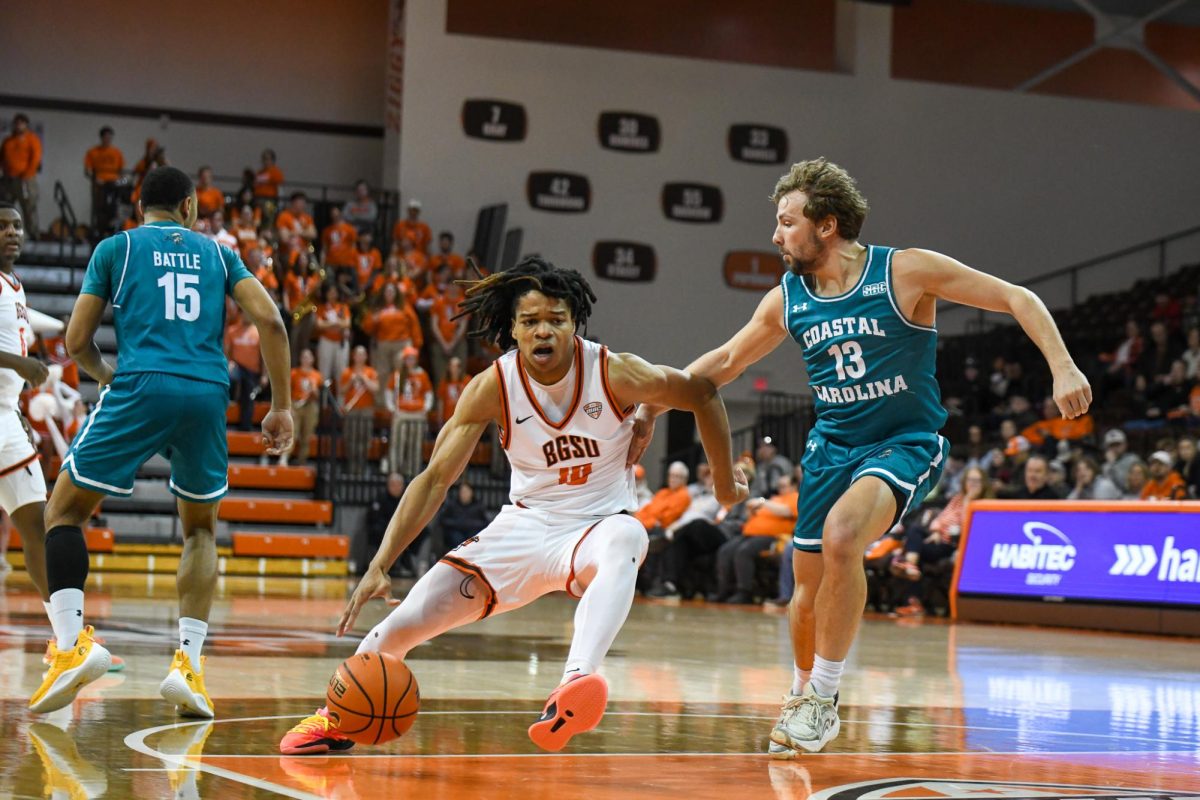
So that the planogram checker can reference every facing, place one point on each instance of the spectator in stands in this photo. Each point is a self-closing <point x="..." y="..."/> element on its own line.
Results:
<point x="416" y="264"/>
<point x="445" y="256"/>
<point x="1020" y="410"/>
<point x="1191" y="356"/>
<point x="1166" y="310"/>
<point x="703" y="483"/>
<point x="1167" y="398"/>
<point x="1052" y="428"/>
<point x="245" y="230"/>
<point x="1188" y="465"/>
<point x="20" y="160"/>
<point x="361" y="211"/>
<point x="1164" y="482"/>
<point x="54" y="349"/>
<point x="640" y="487"/>
<point x="245" y="367"/>
<point x="737" y="559"/>
<point x="1036" y="481"/>
<point x="450" y="389"/>
<point x="1138" y="477"/>
<point x="1017" y="383"/>
<point x="1160" y="352"/>
<point x="414" y="229"/>
<point x="368" y="263"/>
<point x="703" y="510"/>
<point x="1090" y="483"/>
<point x="1124" y="361"/>
<point x="218" y="233"/>
<point x="154" y="156"/>
<point x="103" y="165"/>
<point x="1118" y="459"/>
<point x="449" y="334"/>
<point x="337" y="241"/>
<point x="1190" y="318"/>
<point x="306" y="407"/>
<point x="301" y="290"/>
<point x="393" y="328"/>
<point x="209" y="198"/>
<point x="356" y="393"/>
<point x="669" y="502"/>
<point x="333" y="333"/>
<point x="769" y="464"/>
<point x="462" y="516"/>
<point x="296" y="219"/>
<point x="410" y="398"/>
<point x="998" y="380"/>
<point x="267" y="181"/>
<point x="416" y="557"/>
<point x="969" y="395"/>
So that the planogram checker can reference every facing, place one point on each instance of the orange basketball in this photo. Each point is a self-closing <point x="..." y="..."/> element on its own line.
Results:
<point x="373" y="698"/>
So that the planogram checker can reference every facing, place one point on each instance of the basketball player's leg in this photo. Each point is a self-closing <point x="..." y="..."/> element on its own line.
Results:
<point x="30" y="520"/>
<point x="808" y="568"/>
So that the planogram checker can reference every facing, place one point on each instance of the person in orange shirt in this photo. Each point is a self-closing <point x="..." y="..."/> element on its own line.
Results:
<point x="1164" y="483"/>
<point x="333" y="333"/>
<point x="449" y="389"/>
<point x="306" y="407"/>
<point x="103" y="165"/>
<point x="20" y="159"/>
<point x="410" y="397"/>
<point x="154" y="156"/>
<point x="769" y="522"/>
<point x="393" y="328"/>
<point x="301" y="290"/>
<point x="356" y="392"/>
<point x="413" y="229"/>
<point x="367" y="261"/>
<point x="449" y="334"/>
<point x="209" y="198"/>
<point x="669" y="502"/>
<point x="261" y="270"/>
<point x="1054" y="426"/>
<point x="445" y="256"/>
<point x="245" y="231"/>
<point x="296" y="219"/>
<point x="54" y="349"/>
<point x="393" y="273"/>
<point x="415" y="262"/>
<point x="267" y="181"/>
<point x="245" y="366"/>
<point x="337" y="241"/>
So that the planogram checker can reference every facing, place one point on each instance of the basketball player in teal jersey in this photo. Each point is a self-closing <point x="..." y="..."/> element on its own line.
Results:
<point x="864" y="319"/>
<point x="167" y="286"/>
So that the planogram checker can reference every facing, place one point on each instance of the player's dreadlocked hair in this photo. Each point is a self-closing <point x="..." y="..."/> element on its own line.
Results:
<point x="493" y="300"/>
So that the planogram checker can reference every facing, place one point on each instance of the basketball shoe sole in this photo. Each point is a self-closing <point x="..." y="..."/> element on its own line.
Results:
<point x="575" y="707"/>
<point x="184" y="687"/>
<point x="71" y="671"/>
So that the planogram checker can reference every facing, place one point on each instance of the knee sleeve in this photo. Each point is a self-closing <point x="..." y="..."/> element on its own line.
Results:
<point x="66" y="558"/>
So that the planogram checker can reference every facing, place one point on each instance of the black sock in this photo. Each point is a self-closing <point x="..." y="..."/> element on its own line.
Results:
<point x="66" y="558"/>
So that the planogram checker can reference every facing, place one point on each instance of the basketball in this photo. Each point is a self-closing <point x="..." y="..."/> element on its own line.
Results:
<point x="373" y="698"/>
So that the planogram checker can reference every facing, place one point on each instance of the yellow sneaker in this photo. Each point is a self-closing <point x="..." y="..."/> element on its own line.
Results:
<point x="184" y="686"/>
<point x="69" y="672"/>
<point x="66" y="770"/>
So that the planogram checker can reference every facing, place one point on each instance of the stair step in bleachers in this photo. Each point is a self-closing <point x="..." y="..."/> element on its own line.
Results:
<point x="249" y="443"/>
<point x="168" y="563"/>
<point x="294" y="545"/>
<point x="99" y="540"/>
<point x="254" y="476"/>
<point x="241" y="509"/>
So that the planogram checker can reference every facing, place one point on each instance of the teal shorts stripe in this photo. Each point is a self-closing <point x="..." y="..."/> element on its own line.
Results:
<point x="144" y="413"/>
<point x="911" y="464"/>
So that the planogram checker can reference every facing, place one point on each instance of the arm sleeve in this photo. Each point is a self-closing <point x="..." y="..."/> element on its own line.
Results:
<point x="237" y="269"/>
<point x="98" y="279"/>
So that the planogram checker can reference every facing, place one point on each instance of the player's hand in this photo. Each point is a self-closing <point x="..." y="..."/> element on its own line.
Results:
<point x="643" y="433"/>
<point x="1072" y="393"/>
<point x="277" y="432"/>
<point x="33" y="371"/>
<point x="375" y="583"/>
<point x="731" y="496"/>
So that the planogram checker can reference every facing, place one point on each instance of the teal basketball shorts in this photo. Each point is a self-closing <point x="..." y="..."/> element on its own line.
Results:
<point x="145" y="413"/>
<point x="911" y="464"/>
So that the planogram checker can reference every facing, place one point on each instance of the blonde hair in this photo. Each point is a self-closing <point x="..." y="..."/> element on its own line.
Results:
<point x="831" y="192"/>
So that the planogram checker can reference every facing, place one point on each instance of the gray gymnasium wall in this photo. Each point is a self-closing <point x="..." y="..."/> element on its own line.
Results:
<point x="302" y="60"/>
<point x="1013" y="184"/>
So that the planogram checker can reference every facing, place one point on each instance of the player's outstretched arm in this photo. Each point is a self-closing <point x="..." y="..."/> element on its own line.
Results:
<point x="479" y="405"/>
<point x="945" y="278"/>
<point x="257" y="304"/>
<point x="758" y="337"/>
<point x="633" y="380"/>
<point x="81" y="337"/>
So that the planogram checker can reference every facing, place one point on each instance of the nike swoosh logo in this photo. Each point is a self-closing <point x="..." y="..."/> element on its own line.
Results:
<point x="522" y="419"/>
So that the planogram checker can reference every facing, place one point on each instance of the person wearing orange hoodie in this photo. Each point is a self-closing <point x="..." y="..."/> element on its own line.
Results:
<point x="769" y="521"/>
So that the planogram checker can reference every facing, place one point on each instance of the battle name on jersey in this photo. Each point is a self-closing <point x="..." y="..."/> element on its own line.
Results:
<point x="567" y="447"/>
<point x="177" y="260"/>
<point x="842" y="326"/>
<point x="871" y="390"/>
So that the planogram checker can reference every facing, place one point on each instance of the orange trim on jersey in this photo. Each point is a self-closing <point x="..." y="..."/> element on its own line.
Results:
<point x="571" y="575"/>
<point x="608" y="392"/>
<point x="506" y="428"/>
<point x="519" y="504"/>
<point x="19" y="464"/>
<point x="467" y="568"/>
<point x="12" y="280"/>
<point x="558" y="426"/>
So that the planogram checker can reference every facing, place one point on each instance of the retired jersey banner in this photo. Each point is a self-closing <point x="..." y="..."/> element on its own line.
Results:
<point x="629" y="131"/>
<point x="758" y="144"/>
<point x="498" y="120"/>
<point x="1146" y="553"/>
<point x="753" y="270"/>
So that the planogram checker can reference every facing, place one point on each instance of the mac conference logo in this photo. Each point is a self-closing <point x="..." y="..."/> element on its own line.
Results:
<point x="758" y="144"/>
<point x="624" y="261"/>
<point x="562" y="192"/>
<point x="495" y="120"/>
<point x="756" y="271"/>
<point x="692" y="202"/>
<point x="629" y="131"/>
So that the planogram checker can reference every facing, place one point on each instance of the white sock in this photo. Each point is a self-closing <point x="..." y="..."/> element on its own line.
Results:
<point x="827" y="676"/>
<point x="191" y="638"/>
<point x="576" y="667"/>
<point x="800" y="679"/>
<point x="66" y="616"/>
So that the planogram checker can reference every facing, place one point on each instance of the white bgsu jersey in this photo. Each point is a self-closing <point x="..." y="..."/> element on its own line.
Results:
<point x="16" y="335"/>
<point x="575" y="466"/>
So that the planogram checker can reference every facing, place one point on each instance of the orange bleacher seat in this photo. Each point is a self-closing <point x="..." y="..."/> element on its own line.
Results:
<point x="254" y="476"/>
<point x="99" y="540"/>
<point x="249" y="443"/>
<point x="259" y="509"/>
<point x="260" y="410"/>
<point x="290" y="545"/>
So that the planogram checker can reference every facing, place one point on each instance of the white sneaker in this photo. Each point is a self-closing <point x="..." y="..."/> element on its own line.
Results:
<point x="808" y="721"/>
<point x="779" y="752"/>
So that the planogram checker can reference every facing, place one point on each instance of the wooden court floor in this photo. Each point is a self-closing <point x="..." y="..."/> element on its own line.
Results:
<point x="929" y="709"/>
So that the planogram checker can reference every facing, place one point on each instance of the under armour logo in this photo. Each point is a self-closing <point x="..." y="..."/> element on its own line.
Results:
<point x="79" y="613"/>
<point x="812" y="446"/>
<point x="186" y="642"/>
<point x="796" y="308"/>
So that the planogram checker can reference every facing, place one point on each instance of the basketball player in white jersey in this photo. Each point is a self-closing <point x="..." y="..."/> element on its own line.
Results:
<point x="563" y="406"/>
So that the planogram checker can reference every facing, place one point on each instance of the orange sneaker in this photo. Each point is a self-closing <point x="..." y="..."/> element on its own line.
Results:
<point x="314" y="735"/>
<point x="574" y="707"/>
